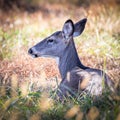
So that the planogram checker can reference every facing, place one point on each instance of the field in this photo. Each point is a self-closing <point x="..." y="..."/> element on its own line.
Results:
<point x="28" y="86"/>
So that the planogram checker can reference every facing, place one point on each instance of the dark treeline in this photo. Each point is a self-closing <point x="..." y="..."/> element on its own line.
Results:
<point x="10" y="4"/>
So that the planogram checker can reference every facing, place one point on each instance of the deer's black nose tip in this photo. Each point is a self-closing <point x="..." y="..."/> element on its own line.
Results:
<point x="30" y="51"/>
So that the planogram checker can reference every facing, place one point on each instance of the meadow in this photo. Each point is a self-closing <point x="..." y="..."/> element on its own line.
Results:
<point x="28" y="86"/>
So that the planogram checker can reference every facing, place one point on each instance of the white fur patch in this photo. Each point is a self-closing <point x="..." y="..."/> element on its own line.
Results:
<point x="57" y="60"/>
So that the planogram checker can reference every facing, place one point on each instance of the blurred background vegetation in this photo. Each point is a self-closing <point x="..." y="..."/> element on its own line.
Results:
<point x="23" y="23"/>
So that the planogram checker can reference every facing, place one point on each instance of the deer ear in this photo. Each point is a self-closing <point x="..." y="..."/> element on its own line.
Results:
<point x="68" y="28"/>
<point x="79" y="27"/>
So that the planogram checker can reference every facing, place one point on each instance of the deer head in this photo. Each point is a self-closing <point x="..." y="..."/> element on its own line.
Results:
<point x="56" y="44"/>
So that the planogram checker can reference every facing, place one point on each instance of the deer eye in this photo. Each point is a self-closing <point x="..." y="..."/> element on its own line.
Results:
<point x="50" y="41"/>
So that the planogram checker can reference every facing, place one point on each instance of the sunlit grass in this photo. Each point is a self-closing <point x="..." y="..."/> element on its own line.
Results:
<point x="98" y="45"/>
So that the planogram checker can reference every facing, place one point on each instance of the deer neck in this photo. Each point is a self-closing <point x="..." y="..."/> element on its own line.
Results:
<point x="69" y="60"/>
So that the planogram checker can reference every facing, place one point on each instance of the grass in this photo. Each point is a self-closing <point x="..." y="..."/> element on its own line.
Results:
<point x="10" y="41"/>
<point x="20" y="75"/>
<point x="36" y="105"/>
<point x="101" y="45"/>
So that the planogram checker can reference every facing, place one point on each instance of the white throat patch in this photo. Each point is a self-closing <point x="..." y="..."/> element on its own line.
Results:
<point x="56" y="58"/>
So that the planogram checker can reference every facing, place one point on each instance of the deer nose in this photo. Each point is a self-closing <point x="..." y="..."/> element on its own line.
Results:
<point x="30" y="51"/>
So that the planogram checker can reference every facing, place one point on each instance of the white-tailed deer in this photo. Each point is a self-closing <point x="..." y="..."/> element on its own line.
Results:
<point x="75" y="76"/>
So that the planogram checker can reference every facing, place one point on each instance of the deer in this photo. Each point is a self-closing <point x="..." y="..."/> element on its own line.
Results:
<point x="75" y="76"/>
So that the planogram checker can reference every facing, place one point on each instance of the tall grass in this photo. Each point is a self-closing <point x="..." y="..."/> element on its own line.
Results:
<point x="10" y="41"/>
<point x="22" y="103"/>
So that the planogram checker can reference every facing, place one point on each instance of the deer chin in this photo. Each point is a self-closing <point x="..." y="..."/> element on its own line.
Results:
<point x="34" y="55"/>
